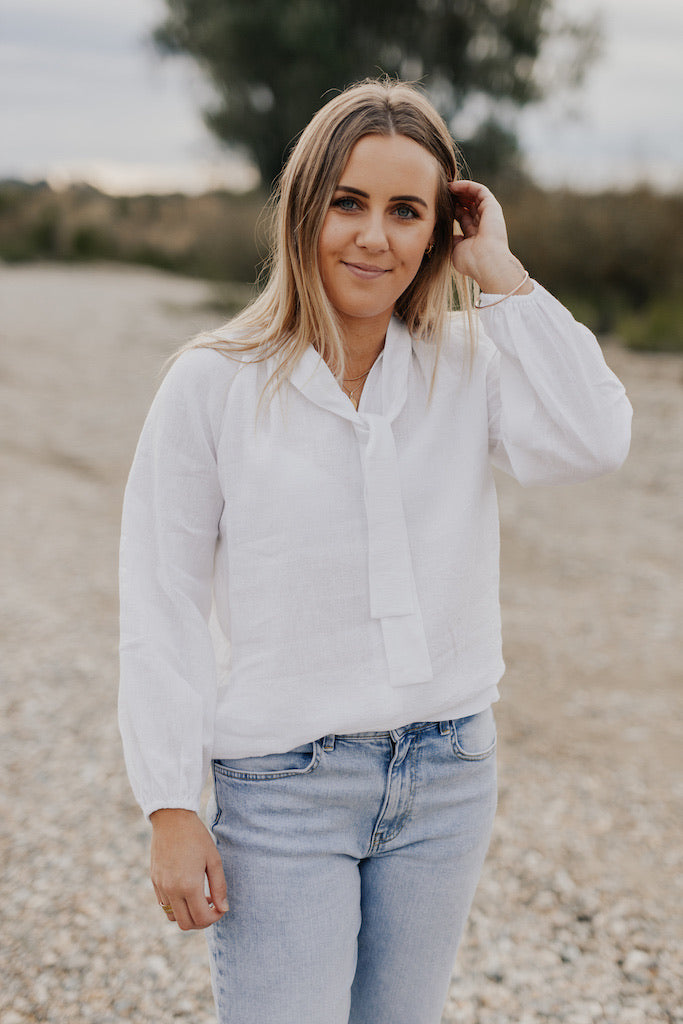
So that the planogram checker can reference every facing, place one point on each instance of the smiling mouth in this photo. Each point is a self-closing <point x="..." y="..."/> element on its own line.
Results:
<point x="366" y="270"/>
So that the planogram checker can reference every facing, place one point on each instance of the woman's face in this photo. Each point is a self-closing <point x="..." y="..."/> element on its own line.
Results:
<point x="377" y="228"/>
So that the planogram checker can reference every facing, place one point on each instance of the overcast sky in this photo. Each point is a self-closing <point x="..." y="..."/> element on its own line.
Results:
<point x="83" y="93"/>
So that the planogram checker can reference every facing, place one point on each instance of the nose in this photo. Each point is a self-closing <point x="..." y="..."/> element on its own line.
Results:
<point x="372" y="233"/>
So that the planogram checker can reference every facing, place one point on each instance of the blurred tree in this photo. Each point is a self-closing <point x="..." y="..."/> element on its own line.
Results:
<point x="272" y="63"/>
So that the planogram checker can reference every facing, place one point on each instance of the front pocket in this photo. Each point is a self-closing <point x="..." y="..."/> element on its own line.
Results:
<point x="299" y="761"/>
<point x="474" y="737"/>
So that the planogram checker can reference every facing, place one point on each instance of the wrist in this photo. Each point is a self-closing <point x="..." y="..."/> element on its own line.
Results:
<point x="502" y="274"/>
<point x="164" y="816"/>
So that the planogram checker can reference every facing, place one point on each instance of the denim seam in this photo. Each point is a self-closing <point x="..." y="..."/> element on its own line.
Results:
<point x="464" y="755"/>
<point x="219" y="812"/>
<point x="380" y="839"/>
<point x="235" y="773"/>
<point x="414" y="755"/>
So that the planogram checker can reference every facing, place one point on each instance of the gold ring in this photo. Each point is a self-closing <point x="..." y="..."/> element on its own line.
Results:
<point x="166" y="907"/>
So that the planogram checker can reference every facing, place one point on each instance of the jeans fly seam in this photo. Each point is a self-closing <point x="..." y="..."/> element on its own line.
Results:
<point x="379" y="838"/>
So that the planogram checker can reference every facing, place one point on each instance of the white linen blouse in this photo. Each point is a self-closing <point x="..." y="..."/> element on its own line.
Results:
<point x="295" y="568"/>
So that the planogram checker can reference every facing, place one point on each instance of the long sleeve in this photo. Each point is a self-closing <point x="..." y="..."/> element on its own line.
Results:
<point x="172" y="506"/>
<point x="557" y="413"/>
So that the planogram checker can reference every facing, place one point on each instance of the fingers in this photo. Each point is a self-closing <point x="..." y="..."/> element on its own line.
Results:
<point x="168" y="910"/>
<point x="469" y="191"/>
<point x="190" y="908"/>
<point x="473" y="198"/>
<point x="467" y="214"/>
<point x="482" y="240"/>
<point x="217" y="884"/>
<point x="193" y="911"/>
<point x="469" y="195"/>
<point x="183" y="915"/>
<point x="197" y="911"/>
<point x="164" y="903"/>
<point x="467" y="218"/>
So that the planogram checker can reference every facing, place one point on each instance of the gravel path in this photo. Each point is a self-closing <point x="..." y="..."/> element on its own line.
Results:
<point x="577" y="918"/>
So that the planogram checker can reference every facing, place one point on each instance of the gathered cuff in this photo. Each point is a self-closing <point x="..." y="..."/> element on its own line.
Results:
<point x="155" y="803"/>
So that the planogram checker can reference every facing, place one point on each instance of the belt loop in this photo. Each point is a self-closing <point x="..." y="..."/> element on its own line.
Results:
<point x="444" y="728"/>
<point x="328" y="742"/>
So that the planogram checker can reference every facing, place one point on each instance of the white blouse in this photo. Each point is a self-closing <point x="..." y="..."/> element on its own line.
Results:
<point x="295" y="568"/>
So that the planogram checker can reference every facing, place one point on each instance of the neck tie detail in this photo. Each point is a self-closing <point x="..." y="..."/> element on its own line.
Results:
<point x="393" y="596"/>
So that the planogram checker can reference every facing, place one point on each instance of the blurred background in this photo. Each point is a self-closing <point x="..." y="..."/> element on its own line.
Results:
<point x="138" y="141"/>
<point x="150" y="132"/>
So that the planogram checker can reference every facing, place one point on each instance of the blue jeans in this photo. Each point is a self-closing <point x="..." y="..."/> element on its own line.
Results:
<point x="351" y="864"/>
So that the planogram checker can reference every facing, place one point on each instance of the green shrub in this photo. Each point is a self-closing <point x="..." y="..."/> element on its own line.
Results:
<point x="657" y="328"/>
<point x="609" y="253"/>
<point x="90" y="243"/>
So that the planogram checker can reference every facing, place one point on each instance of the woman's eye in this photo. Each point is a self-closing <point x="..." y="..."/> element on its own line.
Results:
<point x="405" y="212"/>
<point x="345" y="203"/>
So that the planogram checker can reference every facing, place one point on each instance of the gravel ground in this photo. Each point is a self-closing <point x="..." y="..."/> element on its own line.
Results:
<point x="577" y="918"/>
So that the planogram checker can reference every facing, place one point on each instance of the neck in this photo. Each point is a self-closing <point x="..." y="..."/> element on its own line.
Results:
<point x="362" y="344"/>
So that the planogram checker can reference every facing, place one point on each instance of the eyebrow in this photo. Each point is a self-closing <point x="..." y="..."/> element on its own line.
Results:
<point x="394" y="199"/>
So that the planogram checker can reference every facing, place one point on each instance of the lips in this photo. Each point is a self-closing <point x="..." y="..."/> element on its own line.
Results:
<point x="365" y="271"/>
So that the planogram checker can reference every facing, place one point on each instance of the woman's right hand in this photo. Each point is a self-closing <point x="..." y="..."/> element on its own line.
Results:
<point x="183" y="855"/>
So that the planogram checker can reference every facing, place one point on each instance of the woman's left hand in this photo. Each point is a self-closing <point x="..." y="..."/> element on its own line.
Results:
<point x="482" y="251"/>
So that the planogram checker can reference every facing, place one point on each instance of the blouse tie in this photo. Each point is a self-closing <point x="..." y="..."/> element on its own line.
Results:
<point x="393" y="595"/>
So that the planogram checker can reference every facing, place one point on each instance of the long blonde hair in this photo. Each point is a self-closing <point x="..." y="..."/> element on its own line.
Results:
<point x="293" y="310"/>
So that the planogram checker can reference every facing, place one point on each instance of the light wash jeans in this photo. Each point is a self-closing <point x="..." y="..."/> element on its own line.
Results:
<point x="351" y="865"/>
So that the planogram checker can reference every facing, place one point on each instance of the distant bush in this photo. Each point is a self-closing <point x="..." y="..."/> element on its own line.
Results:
<point x="606" y="255"/>
<point x="657" y="328"/>
<point x="209" y="236"/>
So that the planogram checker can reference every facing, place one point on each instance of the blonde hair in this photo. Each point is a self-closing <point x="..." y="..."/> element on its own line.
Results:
<point x="293" y="310"/>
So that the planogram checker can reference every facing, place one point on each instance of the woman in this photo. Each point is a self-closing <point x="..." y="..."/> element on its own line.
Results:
<point x="312" y="491"/>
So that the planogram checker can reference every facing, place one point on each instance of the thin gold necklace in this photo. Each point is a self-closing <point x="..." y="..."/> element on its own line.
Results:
<point x="351" y="392"/>
<point x="350" y="380"/>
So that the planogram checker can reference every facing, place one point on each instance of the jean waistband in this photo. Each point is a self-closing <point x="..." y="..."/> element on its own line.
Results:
<point x="328" y="741"/>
